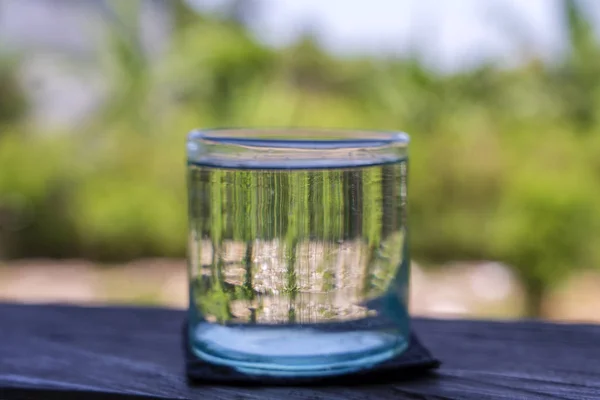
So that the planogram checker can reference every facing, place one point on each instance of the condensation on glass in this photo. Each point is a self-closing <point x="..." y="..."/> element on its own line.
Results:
<point x="298" y="252"/>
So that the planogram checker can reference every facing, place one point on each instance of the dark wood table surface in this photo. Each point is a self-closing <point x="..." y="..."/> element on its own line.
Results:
<point x="66" y="352"/>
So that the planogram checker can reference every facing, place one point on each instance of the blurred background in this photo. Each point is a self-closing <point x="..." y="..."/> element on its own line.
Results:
<point x="501" y="98"/>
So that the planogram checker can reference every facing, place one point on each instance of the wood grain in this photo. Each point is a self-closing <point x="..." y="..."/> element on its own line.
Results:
<point x="66" y="352"/>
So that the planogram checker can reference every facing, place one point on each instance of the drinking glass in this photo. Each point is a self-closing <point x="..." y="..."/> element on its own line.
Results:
<point x="298" y="250"/>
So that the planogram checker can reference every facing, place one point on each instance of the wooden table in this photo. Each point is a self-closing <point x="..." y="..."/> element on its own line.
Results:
<point x="65" y="352"/>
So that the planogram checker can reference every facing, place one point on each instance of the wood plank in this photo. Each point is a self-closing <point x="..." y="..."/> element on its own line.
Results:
<point x="62" y="352"/>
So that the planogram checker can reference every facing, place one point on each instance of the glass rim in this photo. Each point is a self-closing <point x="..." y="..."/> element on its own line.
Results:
<point x="300" y="138"/>
<point x="294" y="148"/>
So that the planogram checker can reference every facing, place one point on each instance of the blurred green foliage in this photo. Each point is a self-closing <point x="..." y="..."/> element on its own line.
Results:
<point x="504" y="162"/>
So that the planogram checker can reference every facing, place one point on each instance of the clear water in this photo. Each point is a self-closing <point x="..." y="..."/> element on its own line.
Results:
<point x="298" y="271"/>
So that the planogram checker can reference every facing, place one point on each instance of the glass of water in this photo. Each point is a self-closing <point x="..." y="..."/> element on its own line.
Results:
<point x="298" y="252"/>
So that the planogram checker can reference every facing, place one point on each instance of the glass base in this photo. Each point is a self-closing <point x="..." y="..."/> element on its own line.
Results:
<point x="284" y="350"/>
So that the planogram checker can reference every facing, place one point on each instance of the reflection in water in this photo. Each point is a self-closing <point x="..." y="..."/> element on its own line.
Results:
<point x="298" y="246"/>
